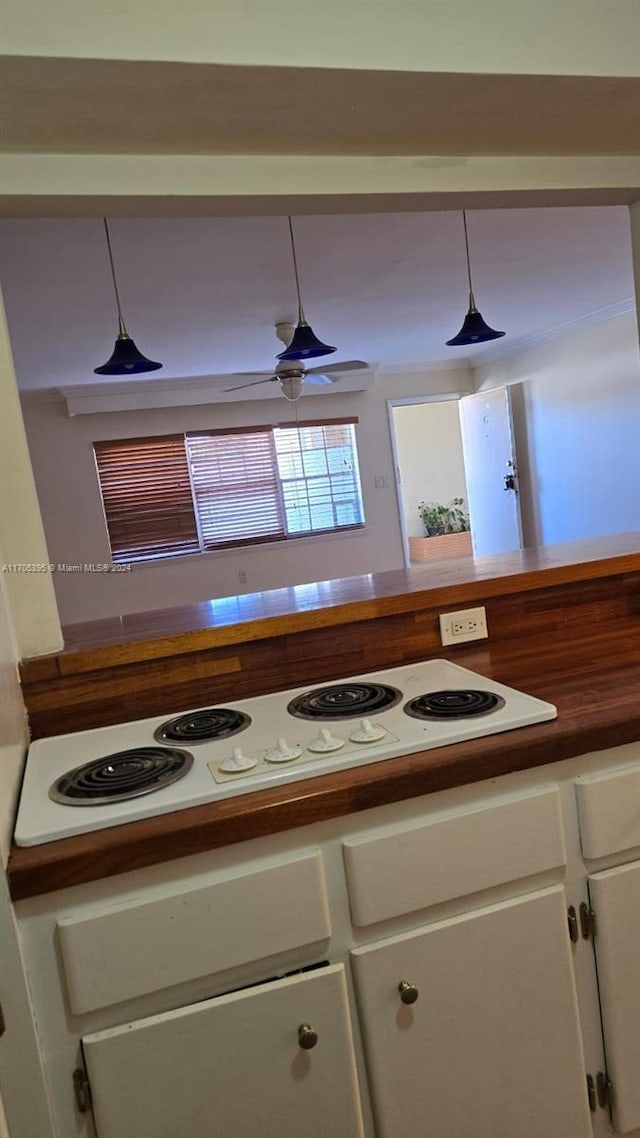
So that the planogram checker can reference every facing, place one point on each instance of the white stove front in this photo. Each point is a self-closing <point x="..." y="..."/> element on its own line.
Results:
<point x="283" y="748"/>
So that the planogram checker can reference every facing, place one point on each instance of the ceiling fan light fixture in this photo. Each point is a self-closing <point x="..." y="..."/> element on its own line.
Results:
<point x="304" y="344"/>
<point x="291" y="387"/>
<point x="474" y="329"/>
<point x="126" y="358"/>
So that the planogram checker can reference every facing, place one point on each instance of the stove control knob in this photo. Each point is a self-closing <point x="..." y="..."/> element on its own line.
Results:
<point x="237" y="762"/>
<point x="283" y="753"/>
<point x="326" y="742"/>
<point x="367" y="732"/>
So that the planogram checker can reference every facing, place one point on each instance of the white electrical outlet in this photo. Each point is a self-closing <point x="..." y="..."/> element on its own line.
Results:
<point x="467" y="624"/>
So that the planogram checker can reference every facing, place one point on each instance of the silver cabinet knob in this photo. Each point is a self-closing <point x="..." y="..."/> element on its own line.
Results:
<point x="307" y="1037"/>
<point x="408" y="992"/>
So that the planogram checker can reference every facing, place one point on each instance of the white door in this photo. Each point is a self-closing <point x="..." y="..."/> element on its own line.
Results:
<point x="491" y="472"/>
<point x="615" y="897"/>
<point x="491" y="1048"/>
<point x="232" y="1067"/>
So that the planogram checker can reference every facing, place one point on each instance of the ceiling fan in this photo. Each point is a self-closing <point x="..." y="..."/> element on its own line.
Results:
<point x="292" y="375"/>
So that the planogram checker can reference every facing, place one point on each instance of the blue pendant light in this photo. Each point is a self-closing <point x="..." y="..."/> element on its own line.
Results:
<point x="474" y="329"/>
<point x="125" y="358"/>
<point x="304" y="345"/>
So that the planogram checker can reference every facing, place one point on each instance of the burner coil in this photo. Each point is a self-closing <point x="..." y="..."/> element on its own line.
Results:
<point x="344" y="701"/>
<point x="453" y="704"/>
<point x="125" y="774"/>
<point x="203" y="726"/>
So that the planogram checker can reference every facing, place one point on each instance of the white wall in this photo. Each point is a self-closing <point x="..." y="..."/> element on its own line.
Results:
<point x="22" y="1090"/>
<point x="429" y="450"/>
<point x="13" y="726"/>
<point x="21" y="1084"/>
<point x="527" y="36"/>
<point x="13" y="742"/>
<point x="30" y="594"/>
<point x="577" y="426"/>
<point x="63" y="463"/>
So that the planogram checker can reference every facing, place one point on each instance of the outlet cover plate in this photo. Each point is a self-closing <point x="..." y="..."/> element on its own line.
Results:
<point x="463" y="625"/>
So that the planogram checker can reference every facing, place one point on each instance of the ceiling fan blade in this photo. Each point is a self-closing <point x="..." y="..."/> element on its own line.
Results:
<point x="346" y="365"/>
<point x="320" y="380"/>
<point x="255" y="383"/>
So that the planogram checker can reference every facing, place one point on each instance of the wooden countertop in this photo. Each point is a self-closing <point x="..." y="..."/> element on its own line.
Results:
<point x="594" y="682"/>
<point x="277" y="612"/>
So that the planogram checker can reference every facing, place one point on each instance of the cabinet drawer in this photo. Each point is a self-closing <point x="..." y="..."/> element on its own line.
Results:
<point x="138" y="947"/>
<point x="453" y="855"/>
<point x="609" y="811"/>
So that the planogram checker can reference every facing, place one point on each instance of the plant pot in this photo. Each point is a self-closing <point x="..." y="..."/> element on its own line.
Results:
<point x="440" y="548"/>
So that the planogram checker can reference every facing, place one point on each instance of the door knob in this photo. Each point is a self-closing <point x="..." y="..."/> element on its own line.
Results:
<point x="307" y="1037"/>
<point x="408" y="992"/>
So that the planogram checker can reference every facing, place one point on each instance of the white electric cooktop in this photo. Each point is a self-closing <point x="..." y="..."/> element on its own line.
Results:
<point x="266" y="741"/>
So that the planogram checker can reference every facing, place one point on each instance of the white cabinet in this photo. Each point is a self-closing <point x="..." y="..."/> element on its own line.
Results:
<point x="491" y="1046"/>
<point x="274" y="911"/>
<point x="233" y="1066"/>
<point x="609" y="827"/>
<point x="396" y="870"/>
<point x="461" y="895"/>
<point x="615" y="897"/>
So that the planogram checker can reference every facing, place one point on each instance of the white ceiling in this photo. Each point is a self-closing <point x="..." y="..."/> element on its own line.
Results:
<point x="203" y="294"/>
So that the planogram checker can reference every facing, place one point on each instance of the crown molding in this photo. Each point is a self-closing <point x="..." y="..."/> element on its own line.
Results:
<point x="40" y="395"/>
<point x="97" y="398"/>
<point x="513" y="347"/>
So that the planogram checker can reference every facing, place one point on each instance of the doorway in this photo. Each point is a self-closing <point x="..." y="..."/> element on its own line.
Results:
<point x="458" y="448"/>
<point x="429" y="460"/>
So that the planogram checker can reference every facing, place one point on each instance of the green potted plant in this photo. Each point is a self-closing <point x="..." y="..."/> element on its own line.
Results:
<point x="439" y="519"/>
<point x="446" y="529"/>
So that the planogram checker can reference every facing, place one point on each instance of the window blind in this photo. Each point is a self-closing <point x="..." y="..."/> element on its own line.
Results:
<point x="146" y="492"/>
<point x="320" y="481"/>
<point x="236" y="487"/>
<point x="218" y="489"/>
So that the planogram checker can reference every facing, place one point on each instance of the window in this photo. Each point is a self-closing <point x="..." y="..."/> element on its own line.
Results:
<point x="236" y="492"/>
<point x="218" y="489"/>
<point x="146" y="493"/>
<point x="319" y="477"/>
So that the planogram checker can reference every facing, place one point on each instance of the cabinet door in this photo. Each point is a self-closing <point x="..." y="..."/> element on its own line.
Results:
<point x="492" y="1046"/>
<point x="232" y="1067"/>
<point x="615" y="896"/>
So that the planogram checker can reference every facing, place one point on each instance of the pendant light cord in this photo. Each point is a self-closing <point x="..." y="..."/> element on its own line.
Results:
<point x="123" y="330"/>
<point x="301" y="319"/>
<point x="472" y="303"/>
